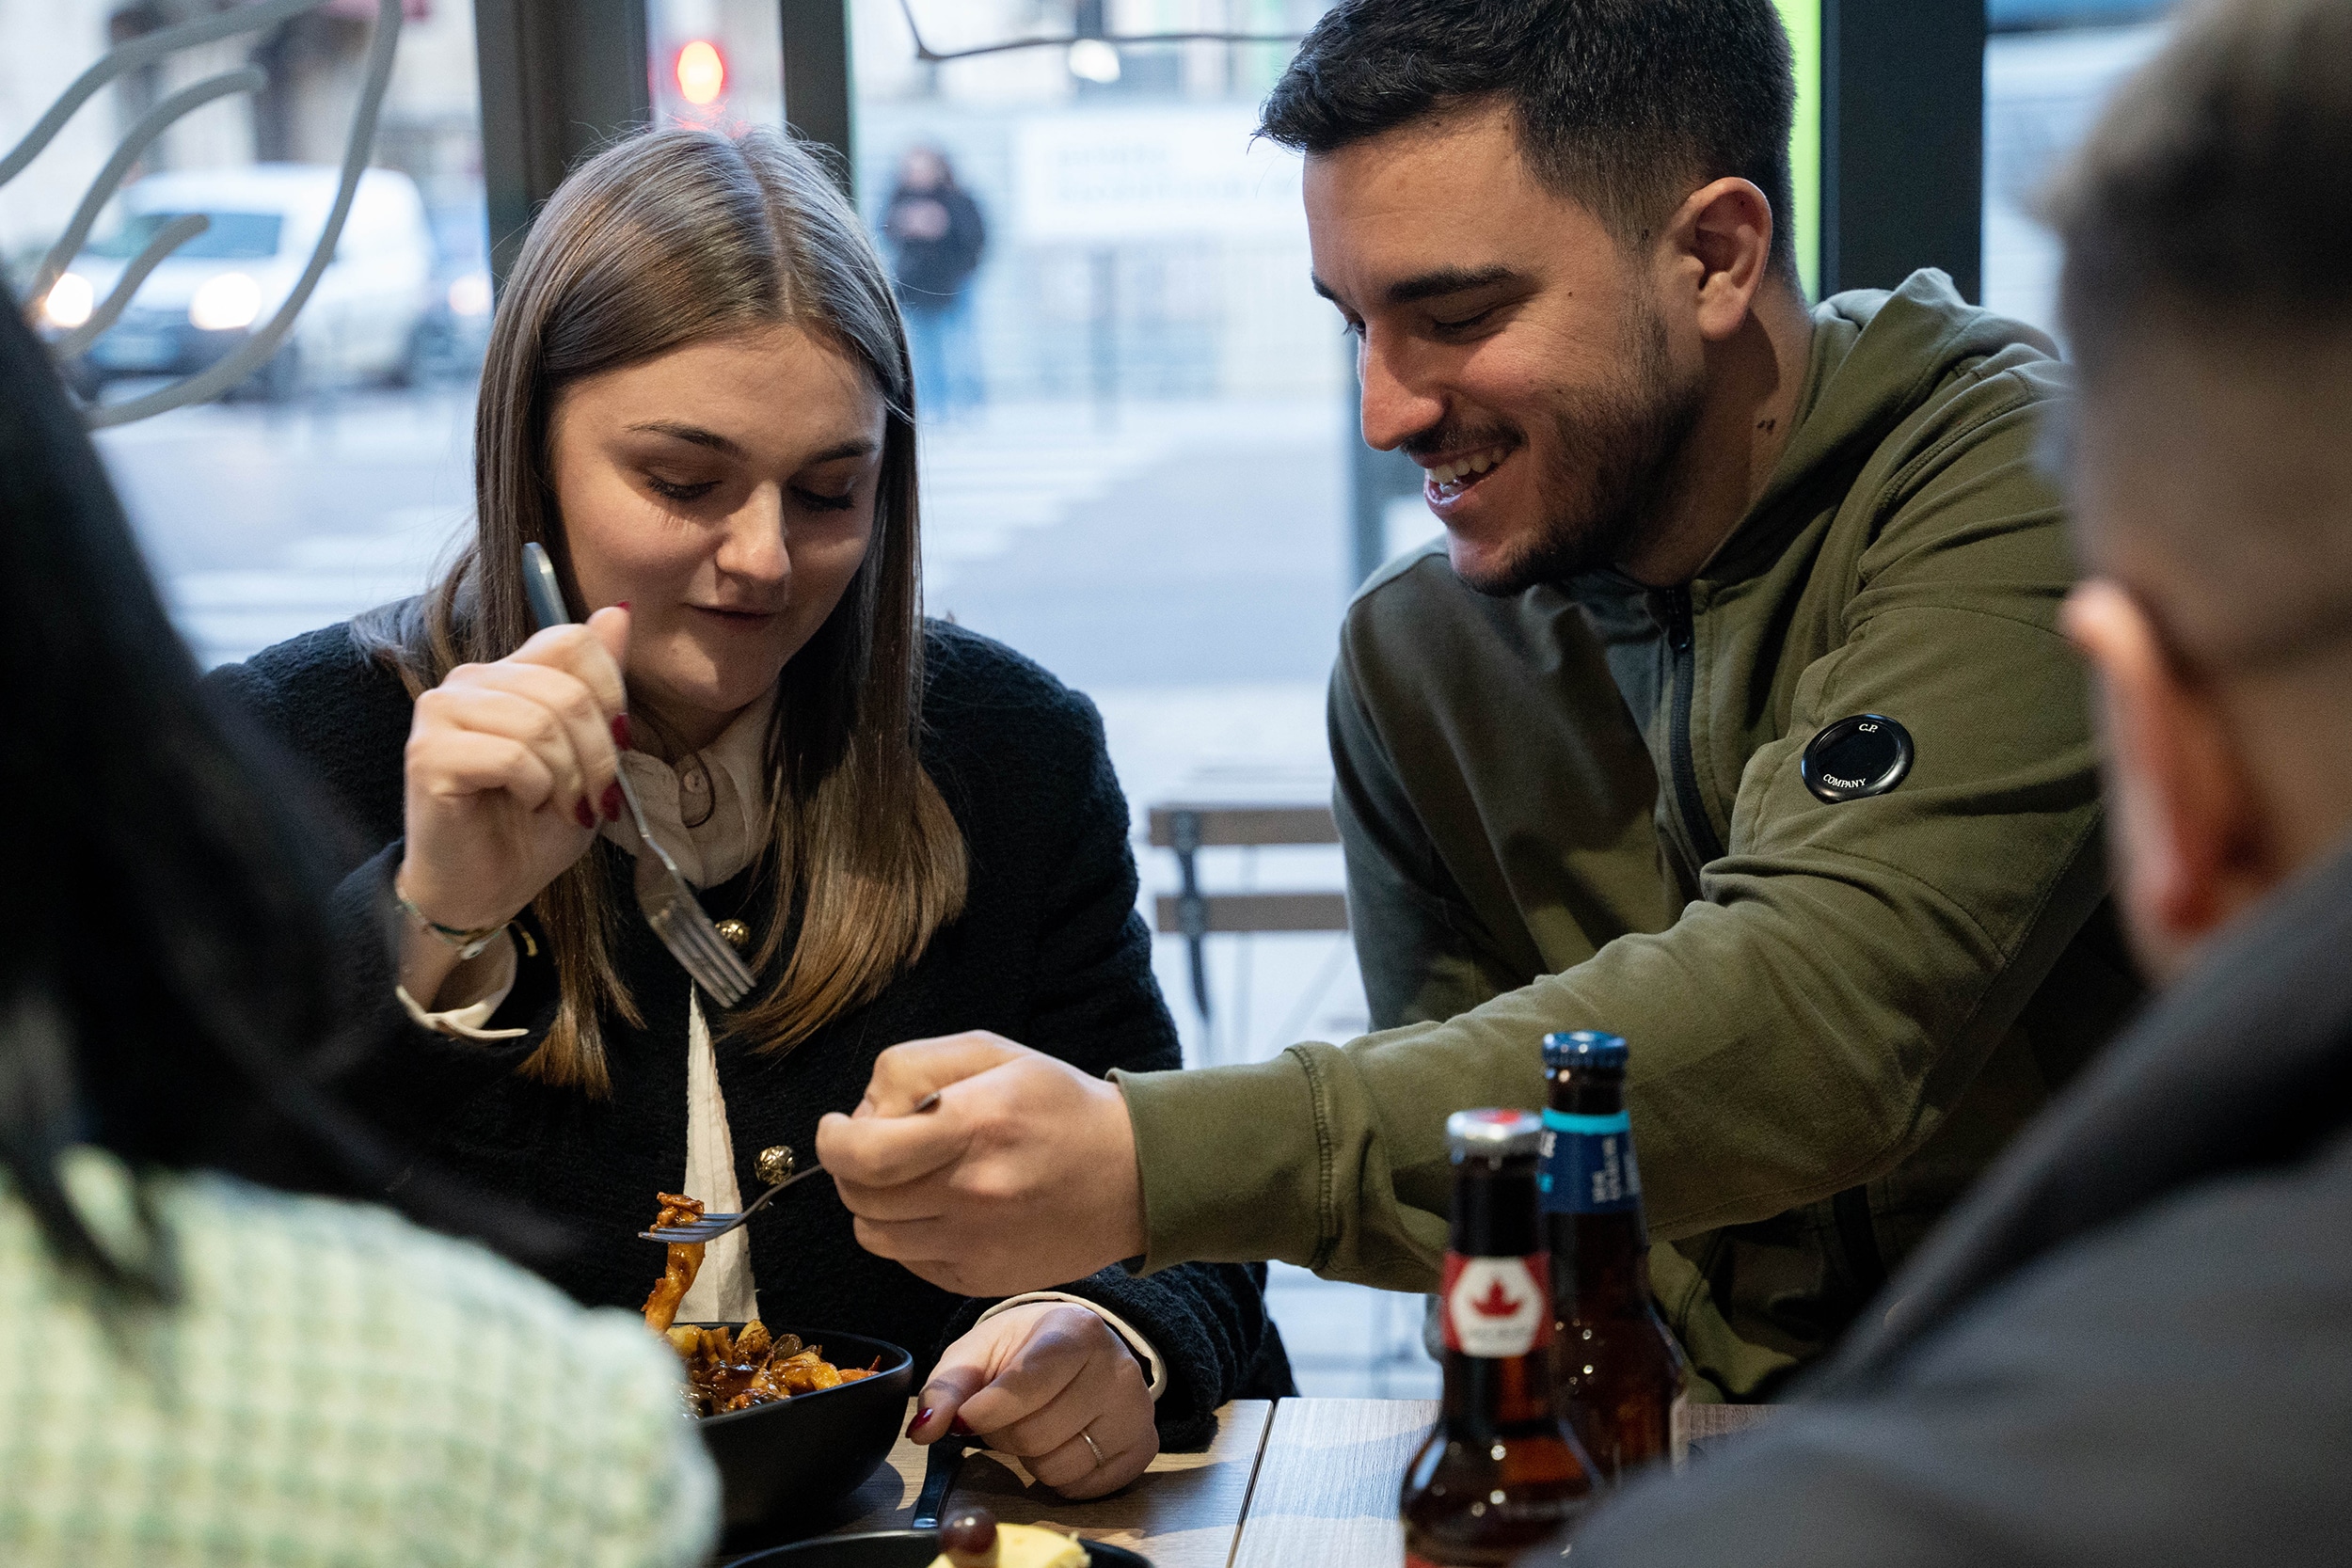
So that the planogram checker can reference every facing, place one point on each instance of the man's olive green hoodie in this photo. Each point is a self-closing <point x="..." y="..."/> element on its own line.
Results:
<point x="1581" y="807"/>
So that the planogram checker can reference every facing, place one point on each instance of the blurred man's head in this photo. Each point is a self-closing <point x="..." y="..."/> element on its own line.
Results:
<point x="2207" y="226"/>
<point x="1540" y="215"/>
<point x="923" y="168"/>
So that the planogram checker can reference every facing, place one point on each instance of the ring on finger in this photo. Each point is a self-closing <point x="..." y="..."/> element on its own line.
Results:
<point x="1088" y="1438"/>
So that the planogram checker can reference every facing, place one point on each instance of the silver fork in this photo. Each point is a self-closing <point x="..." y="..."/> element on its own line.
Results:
<point x="779" y="1170"/>
<point x="668" y="904"/>
<point x="776" y="1167"/>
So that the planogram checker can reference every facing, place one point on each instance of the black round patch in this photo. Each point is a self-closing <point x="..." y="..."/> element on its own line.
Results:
<point x="1866" y="754"/>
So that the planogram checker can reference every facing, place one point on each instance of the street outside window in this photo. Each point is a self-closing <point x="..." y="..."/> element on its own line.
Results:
<point x="2049" y="68"/>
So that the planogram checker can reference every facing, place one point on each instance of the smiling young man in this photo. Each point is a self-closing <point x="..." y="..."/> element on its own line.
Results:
<point x="1732" y="716"/>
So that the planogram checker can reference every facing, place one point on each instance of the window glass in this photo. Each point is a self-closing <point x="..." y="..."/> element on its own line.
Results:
<point x="2049" y="68"/>
<point x="334" y="477"/>
<point x="1136" y="415"/>
<point x="1139" y="421"/>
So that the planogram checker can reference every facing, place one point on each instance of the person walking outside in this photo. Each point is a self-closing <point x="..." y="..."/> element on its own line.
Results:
<point x="936" y="238"/>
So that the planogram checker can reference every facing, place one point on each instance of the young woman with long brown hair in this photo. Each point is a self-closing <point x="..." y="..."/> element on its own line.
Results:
<point x="697" y="398"/>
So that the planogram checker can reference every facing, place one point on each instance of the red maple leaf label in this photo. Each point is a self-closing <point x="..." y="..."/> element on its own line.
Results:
<point x="1495" y="1303"/>
<point x="1496" y="1307"/>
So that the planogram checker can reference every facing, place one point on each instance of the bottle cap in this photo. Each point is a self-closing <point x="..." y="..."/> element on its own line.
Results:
<point x="1493" y="1134"/>
<point x="1585" y="1048"/>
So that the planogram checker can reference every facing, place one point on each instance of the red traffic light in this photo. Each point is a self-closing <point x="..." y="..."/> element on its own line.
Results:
<point x="702" y="73"/>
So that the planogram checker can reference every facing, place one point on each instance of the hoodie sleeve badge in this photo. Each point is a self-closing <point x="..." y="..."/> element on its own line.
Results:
<point x="1866" y="754"/>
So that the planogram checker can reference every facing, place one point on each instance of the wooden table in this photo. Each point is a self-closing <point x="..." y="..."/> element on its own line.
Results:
<point x="1329" y="1470"/>
<point x="1183" y="1512"/>
<point x="1285" y="1485"/>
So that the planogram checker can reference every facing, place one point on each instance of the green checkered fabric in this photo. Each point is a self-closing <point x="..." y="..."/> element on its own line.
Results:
<point x="336" y="1387"/>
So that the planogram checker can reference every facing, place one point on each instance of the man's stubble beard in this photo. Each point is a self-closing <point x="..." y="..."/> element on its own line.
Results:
<point x="1618" y="454"/>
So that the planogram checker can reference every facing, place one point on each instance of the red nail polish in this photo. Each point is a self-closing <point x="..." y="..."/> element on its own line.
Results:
<point x="620" y="731"/>
<point x="583" y="815"/>
<point x="920" y="1417"/>
<point x="958" y="1427"/>
<point x="612" y="804"/>
<point x="623" y="605"/>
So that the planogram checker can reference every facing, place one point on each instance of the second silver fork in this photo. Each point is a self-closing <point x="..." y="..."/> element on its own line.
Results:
<point x="668" y="904"/>
<point x="776" y="1165"/>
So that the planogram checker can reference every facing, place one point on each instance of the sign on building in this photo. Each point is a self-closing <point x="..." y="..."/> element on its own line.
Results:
<point x="1113" y="175"/>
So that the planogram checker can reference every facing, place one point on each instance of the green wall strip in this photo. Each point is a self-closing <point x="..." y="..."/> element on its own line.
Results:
<point x="1804" y="21"/>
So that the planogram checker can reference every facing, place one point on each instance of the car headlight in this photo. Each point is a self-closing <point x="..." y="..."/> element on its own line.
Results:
<point x="69" y="301"/>
<point x="225" y="302"/>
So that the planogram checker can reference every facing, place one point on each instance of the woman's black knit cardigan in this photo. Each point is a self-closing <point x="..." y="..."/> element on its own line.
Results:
<point x="1049" y="951"/>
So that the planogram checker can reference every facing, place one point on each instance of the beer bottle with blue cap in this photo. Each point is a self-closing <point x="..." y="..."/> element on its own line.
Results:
<point x="1619" y="1371"/>
<point x="1503" y="1475"/>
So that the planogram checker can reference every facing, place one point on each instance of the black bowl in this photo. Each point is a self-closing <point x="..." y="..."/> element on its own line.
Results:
<point x="784" y="1469"/>
<point x="898" y="1549"/>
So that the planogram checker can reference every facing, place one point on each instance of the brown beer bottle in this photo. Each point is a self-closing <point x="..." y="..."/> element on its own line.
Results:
<point x="1501" y="1473"/>
<point x="1618" y="1370"/>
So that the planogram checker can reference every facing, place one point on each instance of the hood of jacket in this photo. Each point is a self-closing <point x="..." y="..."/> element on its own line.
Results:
<point x="1878" y="357"/>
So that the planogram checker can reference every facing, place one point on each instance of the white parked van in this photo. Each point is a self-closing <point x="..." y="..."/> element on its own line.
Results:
<point x="202" y="303"/>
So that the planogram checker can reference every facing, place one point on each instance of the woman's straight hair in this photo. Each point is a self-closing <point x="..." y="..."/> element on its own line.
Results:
<point x="670" y="238"/>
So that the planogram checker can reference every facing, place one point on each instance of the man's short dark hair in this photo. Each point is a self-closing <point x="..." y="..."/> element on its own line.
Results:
<point x="1624" y="106"/>
<point x="2216" y="193"/>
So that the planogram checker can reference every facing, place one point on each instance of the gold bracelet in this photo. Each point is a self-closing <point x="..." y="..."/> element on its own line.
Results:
<point x="469" y="943"/>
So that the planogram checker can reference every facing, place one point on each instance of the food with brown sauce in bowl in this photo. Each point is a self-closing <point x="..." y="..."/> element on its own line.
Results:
<point x="729" y="1368"/>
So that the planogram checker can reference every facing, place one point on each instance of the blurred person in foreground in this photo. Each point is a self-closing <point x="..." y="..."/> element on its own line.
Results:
<point x="1692" y="528"/>
<point x="2133" y="1344"/>
<point x="199" y="1365"/>
<point x="937" y="237"/>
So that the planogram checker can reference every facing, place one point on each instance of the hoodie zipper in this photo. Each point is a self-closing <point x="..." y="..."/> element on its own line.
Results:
<point x="1692" y="806"/>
